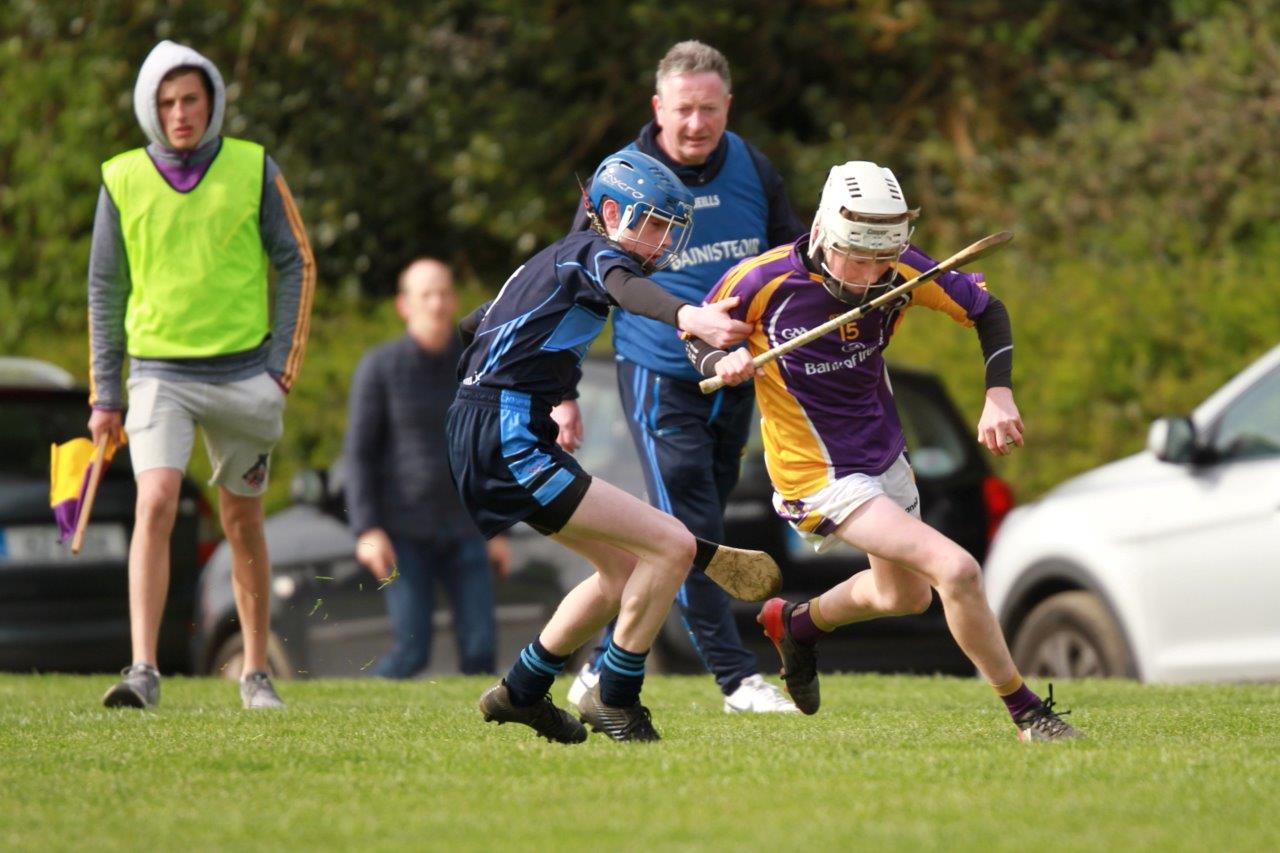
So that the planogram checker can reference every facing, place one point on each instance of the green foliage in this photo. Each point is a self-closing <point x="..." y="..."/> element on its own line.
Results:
<point x="454" y="129"/>
<point x="1102" y="349"/>
<point x="1172" y="162"/>
<point x="1128" y="145"/>
<point x="890" y="763"/>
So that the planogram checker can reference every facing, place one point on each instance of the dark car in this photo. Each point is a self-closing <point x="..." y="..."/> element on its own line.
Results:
<point x="60" y="612"/>
<point x="959" y="495"/>
<point x="327" y="617"/>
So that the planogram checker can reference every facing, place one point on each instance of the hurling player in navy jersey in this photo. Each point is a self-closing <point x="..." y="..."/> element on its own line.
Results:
<point x="523" y="358"/>
<point x="690" y="445"/>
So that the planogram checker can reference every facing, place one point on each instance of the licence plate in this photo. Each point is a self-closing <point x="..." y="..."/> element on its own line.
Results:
<point x="38" y="544"/>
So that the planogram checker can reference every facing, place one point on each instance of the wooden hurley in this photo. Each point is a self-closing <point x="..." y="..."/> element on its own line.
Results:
<point x="965" y="256"/>
<point x="95" y="474"/>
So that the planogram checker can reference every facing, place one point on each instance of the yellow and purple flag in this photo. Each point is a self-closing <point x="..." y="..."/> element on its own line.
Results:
<point x="69" y="468"/>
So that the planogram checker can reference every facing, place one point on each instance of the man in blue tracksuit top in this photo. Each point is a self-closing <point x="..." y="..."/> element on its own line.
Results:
<point x="690" y="444"/>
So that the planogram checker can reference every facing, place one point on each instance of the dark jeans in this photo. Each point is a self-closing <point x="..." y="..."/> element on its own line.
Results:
<point x="690" y="446"/>
<point x="462" y="567"/>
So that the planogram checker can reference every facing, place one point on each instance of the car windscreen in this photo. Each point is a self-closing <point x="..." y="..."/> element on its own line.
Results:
<point x="32" y="421"/>
<point x="1251" y="427"/>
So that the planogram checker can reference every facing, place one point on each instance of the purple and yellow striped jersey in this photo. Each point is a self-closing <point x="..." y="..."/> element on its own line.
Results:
<point x="826" y="408"/>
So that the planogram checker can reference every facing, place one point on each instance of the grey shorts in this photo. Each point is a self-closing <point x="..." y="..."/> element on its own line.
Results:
<point x="242" y="421"/>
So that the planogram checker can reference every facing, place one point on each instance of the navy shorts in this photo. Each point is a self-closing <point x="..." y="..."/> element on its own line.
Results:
<point x="506" y="463"/>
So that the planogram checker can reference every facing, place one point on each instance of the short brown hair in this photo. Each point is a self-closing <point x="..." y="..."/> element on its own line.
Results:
<point x="192" y="69"/>
<point x="693" y="57"/>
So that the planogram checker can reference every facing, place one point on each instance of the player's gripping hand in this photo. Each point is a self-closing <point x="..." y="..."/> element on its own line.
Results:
<point x="569" y="419"/>
<point x="1000" y="427"/>
<point x="713" y="324"/>
<point x="736" y="367"/>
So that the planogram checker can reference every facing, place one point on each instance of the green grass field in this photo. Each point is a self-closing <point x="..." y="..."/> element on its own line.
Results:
<point x="890" y="762"/>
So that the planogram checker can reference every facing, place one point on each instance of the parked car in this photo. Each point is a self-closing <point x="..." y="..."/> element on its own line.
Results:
<point x="60" y="612"/>
<point x="1164" y="566"/>
<point x="959" y="495"/>
<point x="328" y="618"/>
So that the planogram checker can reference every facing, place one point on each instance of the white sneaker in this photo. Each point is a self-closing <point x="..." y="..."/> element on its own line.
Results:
<point x="582" y="682"/>
<point x="755" y="695"/>
<point x="256" y="691"/>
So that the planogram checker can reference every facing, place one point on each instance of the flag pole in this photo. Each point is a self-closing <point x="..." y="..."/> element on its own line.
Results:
<point x="95" y="474"/>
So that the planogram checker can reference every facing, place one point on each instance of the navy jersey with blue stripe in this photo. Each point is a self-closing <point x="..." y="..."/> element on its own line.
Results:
<point x="537" y="329"/>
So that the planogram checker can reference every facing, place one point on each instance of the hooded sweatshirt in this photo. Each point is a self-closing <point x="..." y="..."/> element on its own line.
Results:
<point x="283" y="238"/>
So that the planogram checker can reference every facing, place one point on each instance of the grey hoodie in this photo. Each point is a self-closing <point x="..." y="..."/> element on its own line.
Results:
<point x="283" y="239"/>
<point x="162" y="59"/>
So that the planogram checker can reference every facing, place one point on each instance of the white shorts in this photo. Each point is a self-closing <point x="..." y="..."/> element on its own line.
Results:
<point x="242" y="421"/>
<point x="817" y="516"/>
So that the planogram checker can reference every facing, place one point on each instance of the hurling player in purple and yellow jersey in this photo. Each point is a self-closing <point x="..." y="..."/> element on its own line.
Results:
<point x="833" y="442"/>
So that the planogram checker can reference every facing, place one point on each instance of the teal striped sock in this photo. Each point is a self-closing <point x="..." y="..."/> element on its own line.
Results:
<point x="621" y="676"/>
<point x="533" y="674"/>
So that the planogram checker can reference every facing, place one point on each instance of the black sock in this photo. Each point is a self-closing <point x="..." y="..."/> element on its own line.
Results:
<point x="533" y="673"/>
<point x="621" y="676"/>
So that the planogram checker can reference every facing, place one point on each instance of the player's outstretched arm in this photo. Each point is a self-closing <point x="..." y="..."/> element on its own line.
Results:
<point x="646" y="298"/>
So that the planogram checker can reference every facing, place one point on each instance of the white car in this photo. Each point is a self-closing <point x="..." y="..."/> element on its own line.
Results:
<point x="1164" y="566"/>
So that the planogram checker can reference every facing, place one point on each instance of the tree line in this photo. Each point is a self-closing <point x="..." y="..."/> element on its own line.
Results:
<point x="1129" y="146"/>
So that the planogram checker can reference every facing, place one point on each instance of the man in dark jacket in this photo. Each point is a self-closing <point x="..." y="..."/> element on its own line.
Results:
<point x="401" y="503"/>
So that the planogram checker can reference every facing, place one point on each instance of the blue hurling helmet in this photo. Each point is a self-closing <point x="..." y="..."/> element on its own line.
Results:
<point x="646" y="191"/>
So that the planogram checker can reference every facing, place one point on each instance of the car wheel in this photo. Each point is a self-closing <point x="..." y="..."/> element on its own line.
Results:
<point x="1072" y="635"/>
<point x="228" y="662"/>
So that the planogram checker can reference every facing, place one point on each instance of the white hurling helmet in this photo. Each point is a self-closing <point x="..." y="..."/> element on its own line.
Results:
<point x="863" y="215"/>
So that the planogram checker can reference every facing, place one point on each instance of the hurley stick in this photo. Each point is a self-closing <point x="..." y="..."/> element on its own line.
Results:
<point x="95" y="474"/>
<point x="966" y="255"/>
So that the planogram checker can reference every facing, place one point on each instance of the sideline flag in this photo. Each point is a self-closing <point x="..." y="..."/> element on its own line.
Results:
<point x="71" y="469"/>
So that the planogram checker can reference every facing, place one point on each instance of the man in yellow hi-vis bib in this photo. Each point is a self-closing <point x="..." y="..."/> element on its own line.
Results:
<point x="184" y="231"/>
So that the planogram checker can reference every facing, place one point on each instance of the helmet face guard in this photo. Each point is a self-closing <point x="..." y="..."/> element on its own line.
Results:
<point x="659" y="237"/>
<point x="857" y="292"/>
<point x="657" y="208"/>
